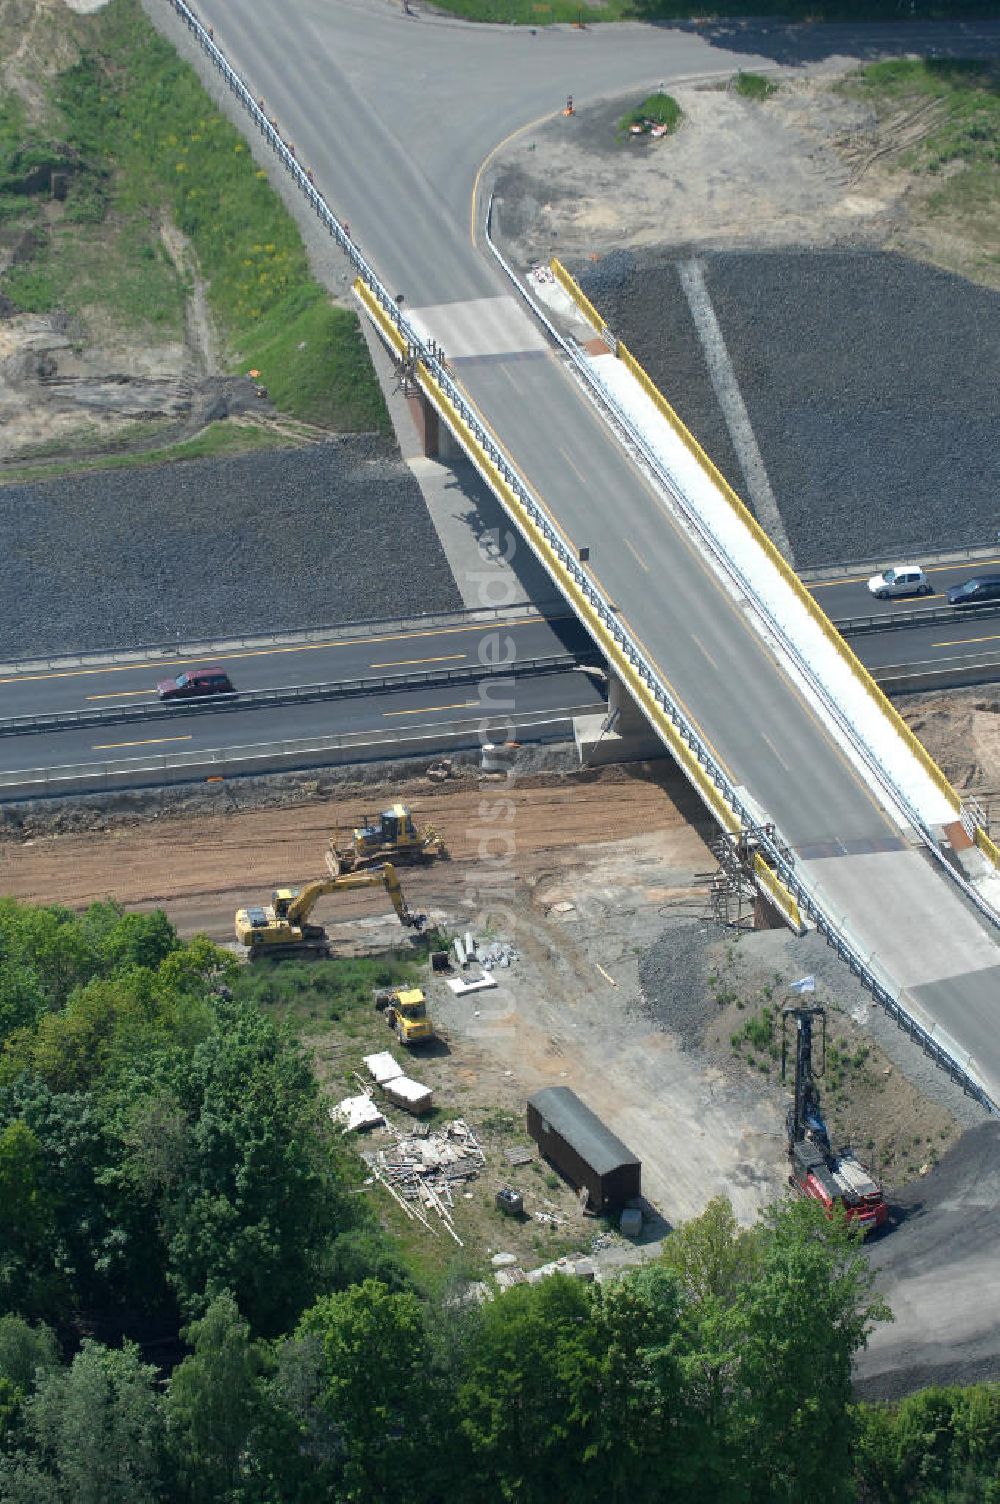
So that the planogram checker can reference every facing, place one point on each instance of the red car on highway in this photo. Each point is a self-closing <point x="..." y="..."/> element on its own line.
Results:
<point x="195" y="683"/>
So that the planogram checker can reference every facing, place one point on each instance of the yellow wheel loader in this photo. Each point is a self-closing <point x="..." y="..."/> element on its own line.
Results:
<point x="406" y="1014"/>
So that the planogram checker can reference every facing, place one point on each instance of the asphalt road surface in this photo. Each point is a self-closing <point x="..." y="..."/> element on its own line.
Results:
<point x="204" y="729"/>
<point x="848" y="594"/>
<point x="396" y="117"/>
<point x="67" y="688"/>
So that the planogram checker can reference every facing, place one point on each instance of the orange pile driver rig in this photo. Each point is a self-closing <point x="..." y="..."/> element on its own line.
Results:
<point x="829" y="1177"/>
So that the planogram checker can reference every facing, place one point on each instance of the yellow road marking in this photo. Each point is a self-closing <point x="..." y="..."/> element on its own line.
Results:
<point x="299" y="647"/>
<point x="150" y="741"/>
<point x="963" y="642"/>
<point x="426" y="709"/>
<point x="859" y="579"/>
<point x="122" y="694"/>
<point x="405" y="662"/>
<point x="489" y="158"/>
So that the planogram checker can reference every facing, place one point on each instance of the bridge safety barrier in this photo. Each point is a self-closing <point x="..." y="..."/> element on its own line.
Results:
<point x="788" y="574"/>
<point x="291" y="694"/>
<point x="776" y="891"/>
<point x="586" y="307"/>
<point x="542" y="541"/>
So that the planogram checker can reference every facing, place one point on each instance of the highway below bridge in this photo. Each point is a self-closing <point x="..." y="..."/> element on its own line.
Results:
<point x="397" y="117"/>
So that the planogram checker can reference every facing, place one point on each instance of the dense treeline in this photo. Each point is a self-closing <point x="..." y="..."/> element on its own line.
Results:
<point x="193" y="1305"/>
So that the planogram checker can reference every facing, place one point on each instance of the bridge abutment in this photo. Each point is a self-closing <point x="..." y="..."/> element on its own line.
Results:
<point x="622" y="735"/>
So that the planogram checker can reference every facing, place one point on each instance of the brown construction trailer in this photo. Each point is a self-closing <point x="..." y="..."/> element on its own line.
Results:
<point x="583" y="1148"/>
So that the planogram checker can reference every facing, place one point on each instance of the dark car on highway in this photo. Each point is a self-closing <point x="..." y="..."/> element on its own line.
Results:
<point x="985" y="587"/>
<point x="195" y="684"/>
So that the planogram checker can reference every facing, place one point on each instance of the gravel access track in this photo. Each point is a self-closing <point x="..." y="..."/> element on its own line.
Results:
<point x="872" y="384"/>
<point x="940" y="1273"/>
<point x="336" y="531"/>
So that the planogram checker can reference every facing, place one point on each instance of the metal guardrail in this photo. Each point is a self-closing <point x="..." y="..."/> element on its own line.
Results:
<point x="919" y="616"/>
<point x="929" y="553"/>
<point x="945" y="673"/>
<point x="196" y="647"/>
<point x="583" y="585"/>
<point x="424" y="739"/>
<point x="297" y="694"/>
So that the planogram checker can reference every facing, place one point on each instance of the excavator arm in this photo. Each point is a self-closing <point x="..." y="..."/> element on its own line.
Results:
<point x="305" y="900"/>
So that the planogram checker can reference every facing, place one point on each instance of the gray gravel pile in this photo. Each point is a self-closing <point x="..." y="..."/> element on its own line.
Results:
<point x="673" y="979"/>
<point x="943" y="1252"/>
<point x="334" y="532"/>
<point x="681" y="973"/>
<point x="872" y="384"/>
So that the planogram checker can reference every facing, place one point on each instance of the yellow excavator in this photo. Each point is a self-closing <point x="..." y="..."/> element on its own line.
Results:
<point x="391" y="836"/>
<point x="283" y="928"/>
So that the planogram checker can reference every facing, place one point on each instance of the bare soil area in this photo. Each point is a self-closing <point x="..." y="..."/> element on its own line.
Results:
<point x="808" y="167"/>
<point x="622" y="989"/>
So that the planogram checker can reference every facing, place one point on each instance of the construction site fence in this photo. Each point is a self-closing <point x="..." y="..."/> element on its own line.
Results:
<point x="545" y="539"/>
<point x="202" y="647"/>
<point x="298" y="694"/>
<point x="427" y="740"/>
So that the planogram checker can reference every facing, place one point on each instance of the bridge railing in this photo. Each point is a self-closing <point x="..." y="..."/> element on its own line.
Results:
<point x="776" y="557"/>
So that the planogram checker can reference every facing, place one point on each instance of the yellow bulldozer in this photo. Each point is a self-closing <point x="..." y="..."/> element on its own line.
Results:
<point x="391" y="836"/>
<point x="283" y="928"/>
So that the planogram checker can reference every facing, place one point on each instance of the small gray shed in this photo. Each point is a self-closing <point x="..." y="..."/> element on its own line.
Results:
<point x="583" y="1148"/>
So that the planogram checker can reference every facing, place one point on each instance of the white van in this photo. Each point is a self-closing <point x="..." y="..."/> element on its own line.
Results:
<point x="901" y="579"/>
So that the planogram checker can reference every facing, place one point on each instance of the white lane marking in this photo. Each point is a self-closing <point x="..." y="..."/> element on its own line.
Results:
<point x="699" y="644"/>
<point x="765" y="738"/>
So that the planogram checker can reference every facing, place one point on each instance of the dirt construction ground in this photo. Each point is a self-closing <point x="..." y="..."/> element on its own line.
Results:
<point x="620" y="987"/>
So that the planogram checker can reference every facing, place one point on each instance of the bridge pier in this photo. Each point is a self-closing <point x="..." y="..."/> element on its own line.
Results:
<point x="622" y="735"/>
<point x="427" y="424"/>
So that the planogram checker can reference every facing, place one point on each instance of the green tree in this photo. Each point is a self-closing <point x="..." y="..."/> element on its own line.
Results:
<point x="939" y="1446"/>
<point x="367" y="1361"/>
<point x="100" y="1246"/>
<point x="92" y="1434"/>
<point x="529" y="1405"/>
<point x="52" y="943"/>
<point x="259" y="1203"/>
<point x="712" y="1256"/>
<point x="796" y="1328"/>
<point x="646" y="1427"/>
<point x="26" y="1352"/>
<point x="216" y="1405"/>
